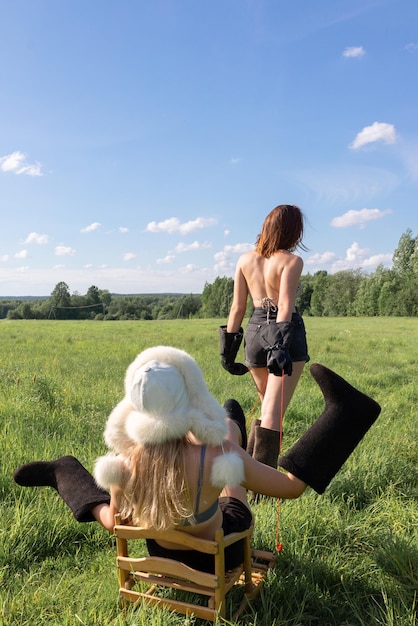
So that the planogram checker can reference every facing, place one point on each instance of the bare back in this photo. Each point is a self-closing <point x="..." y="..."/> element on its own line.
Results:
<point x="276" y="278"/>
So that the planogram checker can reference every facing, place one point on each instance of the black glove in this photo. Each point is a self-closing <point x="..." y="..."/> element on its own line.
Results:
<point x="278" y="337"/>
<point x="230" y="344"/>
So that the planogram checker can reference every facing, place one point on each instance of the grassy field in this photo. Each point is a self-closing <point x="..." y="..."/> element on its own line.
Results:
<point x="350" y="556"/>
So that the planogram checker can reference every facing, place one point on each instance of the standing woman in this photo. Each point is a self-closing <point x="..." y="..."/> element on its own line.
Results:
<point x="275" y="339"/>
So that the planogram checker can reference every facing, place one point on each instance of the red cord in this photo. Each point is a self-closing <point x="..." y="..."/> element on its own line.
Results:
<point x="279" y="546"/>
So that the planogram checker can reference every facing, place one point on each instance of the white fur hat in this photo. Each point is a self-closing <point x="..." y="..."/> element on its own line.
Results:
<point x="165" y="398"/>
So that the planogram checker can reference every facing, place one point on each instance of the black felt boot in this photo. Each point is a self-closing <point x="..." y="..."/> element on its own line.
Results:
<point x="236" y="414"/>
<point x="74" y="483"/>
<point x="266" y="450"/>
<point x="321" y="451"/>
<point x="266" y="446"/>
<point x="251" y="436"/>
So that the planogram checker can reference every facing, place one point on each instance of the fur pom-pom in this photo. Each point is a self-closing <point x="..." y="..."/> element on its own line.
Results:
<point x="110" y="470"/>
<point x="227" y="469"/>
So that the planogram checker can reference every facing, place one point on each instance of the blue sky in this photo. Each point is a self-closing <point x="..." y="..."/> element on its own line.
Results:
<point x="142" y="143"/>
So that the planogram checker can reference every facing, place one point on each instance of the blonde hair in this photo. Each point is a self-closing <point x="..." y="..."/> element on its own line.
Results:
<point x="156" y="495"/>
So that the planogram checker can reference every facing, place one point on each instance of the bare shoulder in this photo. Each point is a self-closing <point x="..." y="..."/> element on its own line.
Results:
<point x="283" y="259"/>
<point x="296" y="261"/>
<point x="287" y="260"/>
<point x="247" y="257"/>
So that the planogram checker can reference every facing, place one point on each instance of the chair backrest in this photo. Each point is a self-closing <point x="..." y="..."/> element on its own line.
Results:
<point x="141" y="578"/>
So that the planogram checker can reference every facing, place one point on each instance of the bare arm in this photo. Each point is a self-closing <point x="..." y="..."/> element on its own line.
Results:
<point x="289" y="282"/>
<point x="105" y="513"/>
<point x="266" y="480"/>
<point x="239" y="302"/>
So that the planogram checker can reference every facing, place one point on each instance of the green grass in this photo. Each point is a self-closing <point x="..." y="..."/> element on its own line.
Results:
<point x="350" y="557"/>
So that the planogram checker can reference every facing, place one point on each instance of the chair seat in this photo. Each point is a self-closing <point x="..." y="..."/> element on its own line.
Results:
<point x="141" y="579"/>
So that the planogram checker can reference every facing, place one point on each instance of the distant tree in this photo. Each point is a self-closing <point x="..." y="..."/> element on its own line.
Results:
<point x="319" y="284"/>
<point x="340" y="293"/>
<point x="60" y="296"/>
<point x="217" y="297"/>
<point x="366" y="301"/>
<point x="105" y="297"/>
<point x="388" y="297"/>
<point x="304" y="295"/>
<point x="186" y="306"/>
<point x="405" y="255"/>
<point x="93" y="295"/>
<point x="405" y="267"/>
<point x="13" y="314"/>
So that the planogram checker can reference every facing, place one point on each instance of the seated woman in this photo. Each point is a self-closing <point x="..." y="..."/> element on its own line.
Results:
<point x="177" y="457"/>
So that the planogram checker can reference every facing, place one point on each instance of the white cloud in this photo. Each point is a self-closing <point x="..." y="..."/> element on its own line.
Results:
<point x="234" y="160"/>
<point x="123" y="229"/>
<point x="23" y="269"/>
<point x="4" y="257"/>
<point x="379" y="131"/>
<point x="22" y="254"/>
<point x="354" y="218"/>
<point x="226" y="232"/>
<point x="64" y="251"/>
<point x="36" y="238"/>
<point x="123" y="279"/>
<point x="355" y="253"/>
<point x="166" y="260"/>
<point x="173" y="225"/>
<point x="224" y="265"/>
<point x="239" y="248"/>
<point x="324" y="258"/>
<point x="225" y="260"/>
<point x="196" y="245"/>
<point x="91" y="227"/>
<point x="378" y="259"/>
<point x="355" y="258"/>
<point x="188" y="269"/>
<point x="411" y="47"/>
<point x="354" y="52"/>
<point x="17" y="164"/>
<point x="128" y="256"/>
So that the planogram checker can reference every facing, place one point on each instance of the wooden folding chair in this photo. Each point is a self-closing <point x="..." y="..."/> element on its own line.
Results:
<point x="140" y="579"/>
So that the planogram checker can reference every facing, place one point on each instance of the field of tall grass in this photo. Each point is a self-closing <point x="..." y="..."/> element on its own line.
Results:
<point x="350" y="556"/>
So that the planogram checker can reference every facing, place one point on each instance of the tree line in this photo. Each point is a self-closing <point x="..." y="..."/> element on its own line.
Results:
<point x="391" y="292"/>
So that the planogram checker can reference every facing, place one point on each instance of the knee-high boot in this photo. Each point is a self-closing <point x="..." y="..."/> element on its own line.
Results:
<point x="74" y="483"/>
<point x="266" y="450"/>
<point x="235" y="413"/>
<point x="266" y="446"/>
<point x="251" y="436"/>
<point x="321" y="451"/>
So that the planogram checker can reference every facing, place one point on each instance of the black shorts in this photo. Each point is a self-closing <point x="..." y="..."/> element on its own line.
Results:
<point x="255" y="347"/>
<point x="236" y="518"/>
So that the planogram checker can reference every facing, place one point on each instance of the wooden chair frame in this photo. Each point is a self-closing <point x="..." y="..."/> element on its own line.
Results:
<point x="149" y="574"/>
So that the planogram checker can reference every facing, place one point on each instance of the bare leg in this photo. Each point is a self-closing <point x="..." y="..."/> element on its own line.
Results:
<point x="260" y="376"/>
<point x="271" y="403"/>
<point x="278" y="392"/>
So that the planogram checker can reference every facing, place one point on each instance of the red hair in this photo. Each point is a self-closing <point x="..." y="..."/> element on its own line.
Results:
<point x="282" y="230"/>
